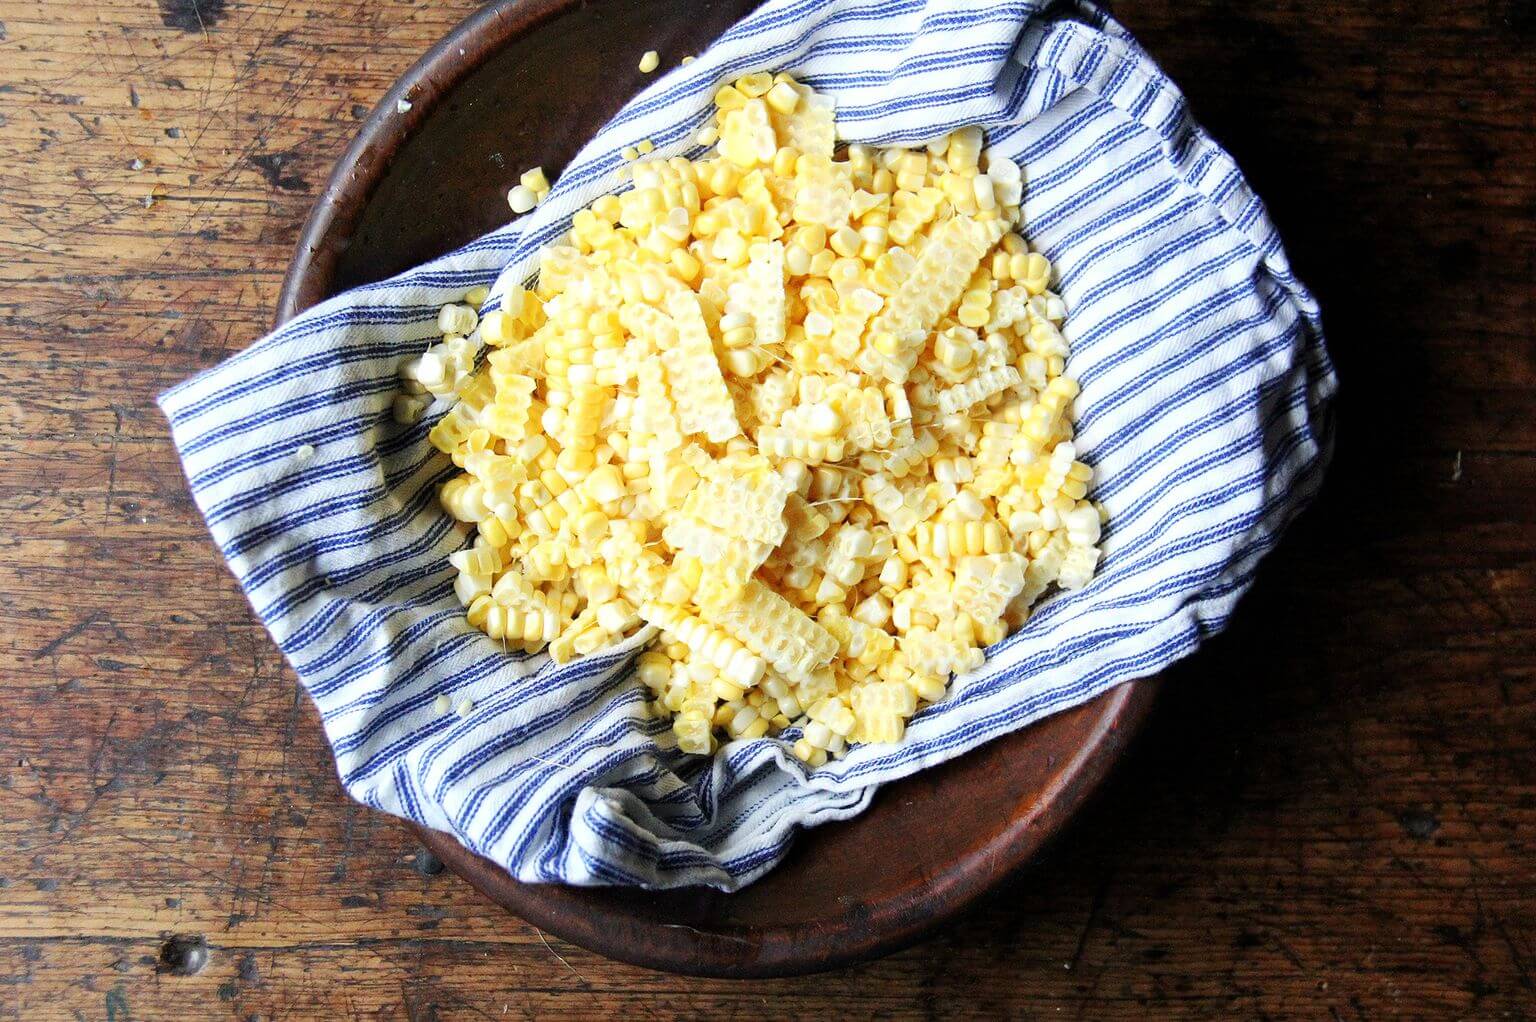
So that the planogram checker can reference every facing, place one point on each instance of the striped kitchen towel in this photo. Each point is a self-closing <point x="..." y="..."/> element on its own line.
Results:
<point x="1204" y="409"/>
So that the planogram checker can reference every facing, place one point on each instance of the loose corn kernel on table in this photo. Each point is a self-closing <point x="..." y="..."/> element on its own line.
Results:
<point x="1329" y="813"/>
<point x="855" y="349"/>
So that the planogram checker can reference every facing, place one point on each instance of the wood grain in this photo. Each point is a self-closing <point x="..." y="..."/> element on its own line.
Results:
<point x="1331" y="814"/>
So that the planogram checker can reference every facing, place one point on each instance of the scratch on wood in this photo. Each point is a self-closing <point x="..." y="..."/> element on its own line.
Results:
<point x="1094" y="909"/>
<point x="558" y="955"/>
<point x="712" y="936"/>
<point x="90" y="619"/>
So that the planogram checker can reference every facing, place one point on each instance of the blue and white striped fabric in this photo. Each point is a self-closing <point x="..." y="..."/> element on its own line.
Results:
<point x="1204" y="407"/>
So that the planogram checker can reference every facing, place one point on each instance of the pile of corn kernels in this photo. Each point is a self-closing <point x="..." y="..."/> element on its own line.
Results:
<point x="798" y="411"/>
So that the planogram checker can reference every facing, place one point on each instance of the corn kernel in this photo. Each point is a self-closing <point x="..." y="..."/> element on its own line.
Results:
<point x="806" y="414"/>
<point x="728" y="97"/>
<point x="783" y="97"/>
<point x="522" y="198"/>
<point x="755" y="84"/>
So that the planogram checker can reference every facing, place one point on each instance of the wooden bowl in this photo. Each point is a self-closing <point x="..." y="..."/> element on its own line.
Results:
<point x="526" y="82"/>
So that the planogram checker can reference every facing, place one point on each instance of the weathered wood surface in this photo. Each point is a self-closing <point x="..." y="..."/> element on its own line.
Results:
<point x="1332" y="814"/>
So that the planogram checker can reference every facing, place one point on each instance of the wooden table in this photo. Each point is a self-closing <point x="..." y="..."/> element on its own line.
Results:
<point x="1331" y="814"/>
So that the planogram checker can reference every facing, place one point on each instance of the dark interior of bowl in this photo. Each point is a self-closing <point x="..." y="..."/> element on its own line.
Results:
<point x="526" y="82"/>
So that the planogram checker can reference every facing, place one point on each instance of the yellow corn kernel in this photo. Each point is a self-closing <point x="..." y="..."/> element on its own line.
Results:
<point x="783" y="98"/>
<point x="729" y="98"/>
<point x="1035" y="273"/>
<point x="805" y="413"/>
<point x="845" y="241"/>
<point x="755" y="84"/>
<point x="685" y="264"/>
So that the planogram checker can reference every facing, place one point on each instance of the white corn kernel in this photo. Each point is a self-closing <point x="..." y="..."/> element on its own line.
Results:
<point x="521" y="198"/>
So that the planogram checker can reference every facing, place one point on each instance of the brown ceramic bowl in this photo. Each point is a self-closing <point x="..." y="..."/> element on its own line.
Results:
<point x="526" y="82"/>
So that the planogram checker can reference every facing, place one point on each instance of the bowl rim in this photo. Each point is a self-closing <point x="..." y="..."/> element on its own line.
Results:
<point x="334" y="217"/>
<point x="568" y="911"/>
<point x="884" y="927"/>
